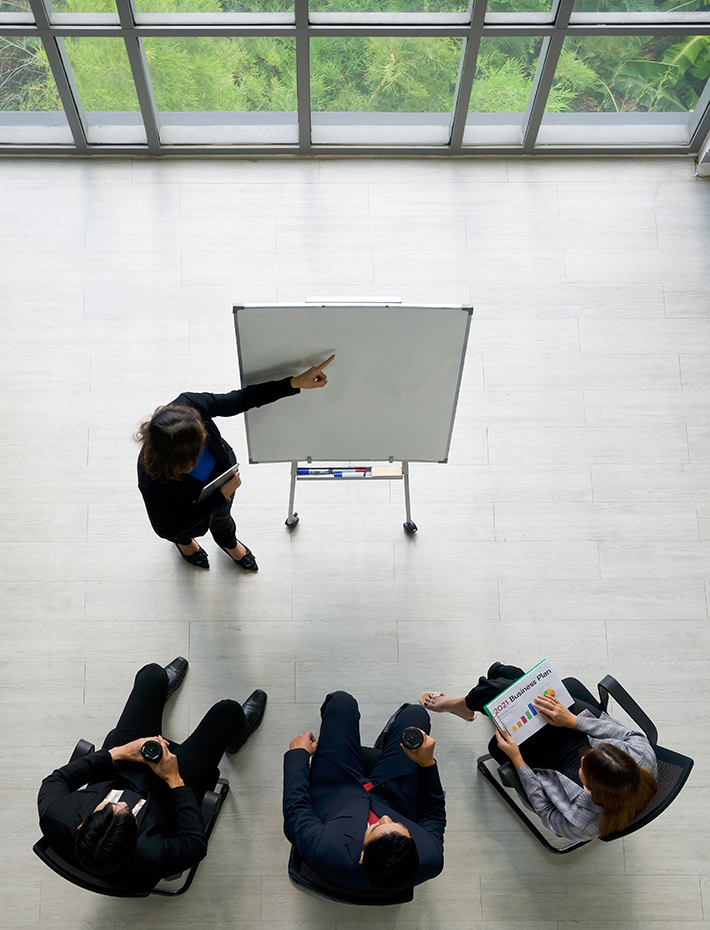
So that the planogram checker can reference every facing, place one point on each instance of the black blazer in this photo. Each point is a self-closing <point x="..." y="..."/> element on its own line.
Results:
<point x="171" y="505"/>
<point x="325" y="816"/>
<point x="171" y="832"/>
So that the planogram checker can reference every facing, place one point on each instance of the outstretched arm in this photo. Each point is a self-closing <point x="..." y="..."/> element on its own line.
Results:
<point x="314" y="377"/>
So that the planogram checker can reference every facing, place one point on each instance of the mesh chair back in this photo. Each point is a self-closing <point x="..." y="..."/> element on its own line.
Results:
<point x="673" y="772"/>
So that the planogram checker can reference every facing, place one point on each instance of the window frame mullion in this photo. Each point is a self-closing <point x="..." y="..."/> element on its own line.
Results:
<point x="467" y="72"/>
<point x="62" y="74"/>
<point x="141" y="75"/>
<point x="545" y="75"/>
<point x="303" y="77"/>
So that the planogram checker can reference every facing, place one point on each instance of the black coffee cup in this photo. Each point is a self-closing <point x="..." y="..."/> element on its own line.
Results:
<point x="152" y="751"/>
<point x="412" y="738"/>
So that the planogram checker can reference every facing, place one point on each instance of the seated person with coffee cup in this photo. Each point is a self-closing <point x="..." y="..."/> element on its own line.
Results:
<point x="384" y="830"/>
<point x="138" y="819"/>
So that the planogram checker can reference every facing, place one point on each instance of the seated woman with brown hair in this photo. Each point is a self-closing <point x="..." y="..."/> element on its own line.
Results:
<point x="585" y="776"/>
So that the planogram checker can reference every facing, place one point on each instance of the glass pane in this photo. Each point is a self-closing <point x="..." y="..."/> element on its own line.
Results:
<point x="242" y="77"/>
<point x="504" y="74"/>
<point x="615" y="74"/>
<point x="388" y="6"/>
<point x="626" y="77"/>
<point x="214" y="6"/>
<point x="640" y="6"/>
<point x="413" y="78"/>
<point x="30" y="108"/>
<point x="15" y="6"/>
<point x="519" y="6"/>
<point x="84" y="6"/>
<point x="106" y="89"/>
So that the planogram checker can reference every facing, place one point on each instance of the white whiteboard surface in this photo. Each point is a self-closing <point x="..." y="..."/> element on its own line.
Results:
<point x="392" y="386"/>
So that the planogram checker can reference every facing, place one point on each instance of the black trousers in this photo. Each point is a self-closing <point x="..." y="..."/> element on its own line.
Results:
<point x="339" y="739"/>
<point x="551" y="747"/>
<point x="221" y="524"/>
<point x="199" y="756"/>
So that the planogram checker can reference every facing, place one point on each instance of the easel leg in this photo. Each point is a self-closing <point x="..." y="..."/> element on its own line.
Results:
<point x="292" y="519"/>
<point x="410" y="528"/>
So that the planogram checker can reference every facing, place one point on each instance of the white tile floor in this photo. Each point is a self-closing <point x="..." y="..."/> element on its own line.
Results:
<point x="573" y="521"/>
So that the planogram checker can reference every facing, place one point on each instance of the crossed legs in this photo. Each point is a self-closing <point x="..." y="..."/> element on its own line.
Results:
<point x="199" y="756"/>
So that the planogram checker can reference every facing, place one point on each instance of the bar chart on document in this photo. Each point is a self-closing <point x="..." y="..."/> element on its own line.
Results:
<point x="513" y="710"/>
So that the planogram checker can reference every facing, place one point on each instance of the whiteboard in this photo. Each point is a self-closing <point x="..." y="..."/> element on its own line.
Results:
<point x="392" y="386"/>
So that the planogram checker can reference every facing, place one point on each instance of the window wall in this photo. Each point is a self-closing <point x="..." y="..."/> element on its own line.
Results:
<point x="354" y="76"/>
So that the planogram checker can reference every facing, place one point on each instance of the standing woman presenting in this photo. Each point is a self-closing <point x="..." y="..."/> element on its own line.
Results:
<point x="182" y="451"/>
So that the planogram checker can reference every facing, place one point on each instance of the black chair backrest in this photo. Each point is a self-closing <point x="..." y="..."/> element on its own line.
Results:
<point x="77" y="876"/>
<point x="673" y="772"/>
<point x="304" y="876"/>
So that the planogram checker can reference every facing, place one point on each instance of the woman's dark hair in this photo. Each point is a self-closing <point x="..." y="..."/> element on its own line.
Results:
<point x="617" y="784"/>
<point x="106" y="840"/>
<point x="391" y="861"/>
<point x="172" y="440"/>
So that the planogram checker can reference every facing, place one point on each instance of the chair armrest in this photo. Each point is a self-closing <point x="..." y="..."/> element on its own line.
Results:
<point x="509" y="777"/>
<point x="212" y="804"/>
<point x="610" y="686"/>
<point x="82" y="748"/>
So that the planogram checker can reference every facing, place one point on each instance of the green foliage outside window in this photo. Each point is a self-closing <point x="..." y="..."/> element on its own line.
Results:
<point x="637" y="73"/>
<point x="640" y="6"/>
<point x="25" y="79"/>
<point x="384" y="74"/>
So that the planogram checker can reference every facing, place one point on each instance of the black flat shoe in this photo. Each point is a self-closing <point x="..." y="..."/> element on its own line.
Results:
<point x="253" y="708"/>
<point x="247" y="561"/>
<point x="198" y="558"/>
<point x="176" y="674"/>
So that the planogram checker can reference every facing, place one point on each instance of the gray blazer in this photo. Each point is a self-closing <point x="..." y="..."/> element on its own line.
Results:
<point x="563" y="806"/>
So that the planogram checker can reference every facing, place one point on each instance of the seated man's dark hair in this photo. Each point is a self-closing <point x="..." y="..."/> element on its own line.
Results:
<point x="106" y="840"/>
<point x="391" y="861"/>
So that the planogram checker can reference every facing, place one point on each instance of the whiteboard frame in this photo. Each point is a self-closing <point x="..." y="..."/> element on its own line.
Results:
<point x="466" y="308"/>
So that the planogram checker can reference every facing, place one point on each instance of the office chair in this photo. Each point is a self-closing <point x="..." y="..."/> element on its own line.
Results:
<point x="673" y="771"/>
<point x="170" y="886"/>
<point x="303" y="876"/>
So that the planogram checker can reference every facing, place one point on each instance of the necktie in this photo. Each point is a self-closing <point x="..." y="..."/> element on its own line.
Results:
<point x="372" y="816"/>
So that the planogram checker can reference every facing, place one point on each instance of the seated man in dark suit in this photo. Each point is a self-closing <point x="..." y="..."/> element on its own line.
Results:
<point x="381" y="831"/>
<point x="138" y="821"/>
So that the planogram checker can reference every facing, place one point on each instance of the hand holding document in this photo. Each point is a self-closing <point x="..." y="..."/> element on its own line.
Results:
<point x="515" y="709"/>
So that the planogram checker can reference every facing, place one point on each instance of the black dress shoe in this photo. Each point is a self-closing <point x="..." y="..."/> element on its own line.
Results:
<point x="198" y="558"/>
<point x="247" y="561"/>
<point x="176" y="674"/>
<point x="253" y="708"/>
<point x="382" y="738"/>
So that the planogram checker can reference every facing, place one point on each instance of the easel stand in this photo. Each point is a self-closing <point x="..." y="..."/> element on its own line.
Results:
<point x="312" y="472"/>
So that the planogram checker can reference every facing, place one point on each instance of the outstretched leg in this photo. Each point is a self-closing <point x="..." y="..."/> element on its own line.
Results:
<point x="199" y="756"/>
<point x="143" y="713"/>
<point x="393" y="761"/>
<point x="339" y="737"/>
